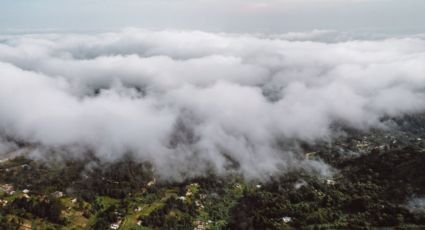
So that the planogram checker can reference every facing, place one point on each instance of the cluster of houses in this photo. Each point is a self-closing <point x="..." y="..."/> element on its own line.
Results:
<point x="7" y="188"/>
<point x="10" y="190"/>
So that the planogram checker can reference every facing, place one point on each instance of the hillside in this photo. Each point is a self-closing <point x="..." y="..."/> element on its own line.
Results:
<point x="373" y="188"/>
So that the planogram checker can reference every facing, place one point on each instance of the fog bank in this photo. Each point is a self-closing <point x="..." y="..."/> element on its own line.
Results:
<point x="191" y="102"/>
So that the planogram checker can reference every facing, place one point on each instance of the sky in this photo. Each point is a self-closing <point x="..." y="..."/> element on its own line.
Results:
<point x="239" y="16"/>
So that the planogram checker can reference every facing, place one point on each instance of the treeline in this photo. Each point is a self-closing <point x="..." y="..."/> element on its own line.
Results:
<point x="47" y="208"/>
<point x="86" y="178"/>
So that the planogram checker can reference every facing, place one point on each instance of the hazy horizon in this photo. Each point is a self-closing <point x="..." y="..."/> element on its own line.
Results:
<point x="232" y="16"/>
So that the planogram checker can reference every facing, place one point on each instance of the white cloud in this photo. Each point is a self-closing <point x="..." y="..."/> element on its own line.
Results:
<point x="189" y="101"/>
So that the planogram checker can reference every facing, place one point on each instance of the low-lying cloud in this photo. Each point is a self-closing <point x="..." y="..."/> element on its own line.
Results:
<point x="191" y="102"/>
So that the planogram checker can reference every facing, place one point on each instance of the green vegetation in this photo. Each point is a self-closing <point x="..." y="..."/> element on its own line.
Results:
<point x="369" y="190"/>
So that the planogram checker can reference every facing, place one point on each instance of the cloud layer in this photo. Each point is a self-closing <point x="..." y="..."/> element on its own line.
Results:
<point x="192" y="102"/>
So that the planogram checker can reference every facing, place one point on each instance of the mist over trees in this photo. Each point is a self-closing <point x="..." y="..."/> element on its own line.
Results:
<point x="190" y="102"/>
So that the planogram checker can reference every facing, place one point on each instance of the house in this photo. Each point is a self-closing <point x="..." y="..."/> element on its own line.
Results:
<point x="26" y="166"/>
<point x="330" y="182"/>
<point x="115" y="226"/>
<point x="200" y="225"/>
<point x="299" y="184"/>
<point x="57" y="194"/>
<point x="286" y="219"/>
<point x="197" y="203"/>
<point x="199" y="222"/>
<point x="3" y="202"/>
<point x="151" y="183"/>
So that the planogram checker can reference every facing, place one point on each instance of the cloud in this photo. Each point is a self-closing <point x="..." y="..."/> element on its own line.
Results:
<point x="191" y="102"/>
<point x="6" y="147"/>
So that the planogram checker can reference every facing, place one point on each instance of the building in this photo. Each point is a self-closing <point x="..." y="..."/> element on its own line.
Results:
<point x="286" y="219"/>
<point x="57" y="194"/>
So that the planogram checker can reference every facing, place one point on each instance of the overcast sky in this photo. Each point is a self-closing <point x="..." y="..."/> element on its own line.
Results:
<point x="269" y="16"/>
